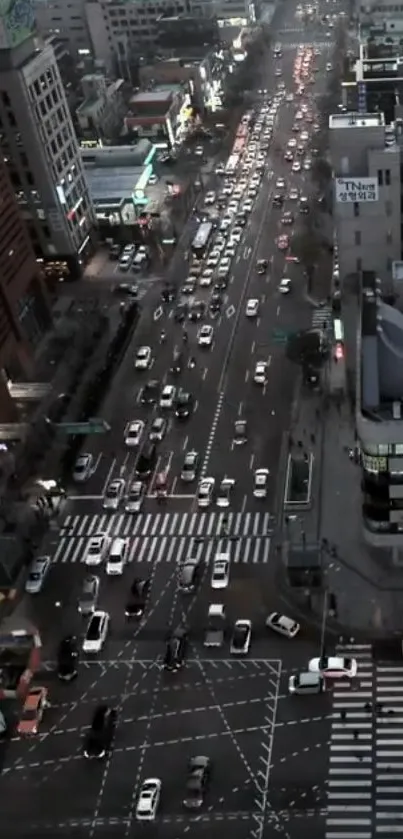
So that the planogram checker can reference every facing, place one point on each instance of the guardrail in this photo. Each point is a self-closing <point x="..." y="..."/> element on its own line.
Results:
<point x="298" y="482"/>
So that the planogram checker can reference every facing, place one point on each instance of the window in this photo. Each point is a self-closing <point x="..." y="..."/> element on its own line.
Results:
<point x="357" y="237"/>
<point x="380" y="177"/>
<point x="356" y="209"/>
<point x="359" y="264"/>
<point x="389" y="237"/>
<point x="387" y="177"/>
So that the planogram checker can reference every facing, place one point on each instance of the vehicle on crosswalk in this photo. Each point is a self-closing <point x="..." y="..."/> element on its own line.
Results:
<point x="198" y="778"/>
<point x="214" y="634"/>
<point x="97" y="549"/>
<point x="224" y="492"/>
<point x="190" y="574"/>
<point x="334" y="667"/>
<point x="98" y="740"/>
<point x="283" y="625"/>
<point x="241" y="637"/>
<point x="138" y="598"/>
<point x="135" y="497"/>
<point x="97" y="631"/>
<point x="306" y="683"/>
<point x="261" y="483"/>
<point x="220" y="571"/>
<point x="148" y="800"/>
<point x="133" y="433"/>
<point x="190" y="467"/>
<point x="117" y="557"/>
<point x="205" y="492"/>
<point x="83" y="468"/>
<point x="37" y="573"/>
<point x="88" y="597"/>
<point x="67" y="658"/>
<point x="113" y="494"/>
<point x="143" y="358"/>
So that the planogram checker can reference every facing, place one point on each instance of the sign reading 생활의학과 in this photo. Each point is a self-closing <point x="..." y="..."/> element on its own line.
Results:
<point x="356" y="190"/>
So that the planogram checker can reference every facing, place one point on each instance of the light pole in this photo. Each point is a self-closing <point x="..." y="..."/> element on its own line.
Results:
<point x="324" y="619"/>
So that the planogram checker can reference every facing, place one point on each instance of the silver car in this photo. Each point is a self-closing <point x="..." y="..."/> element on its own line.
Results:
<point x="88" y="599"/>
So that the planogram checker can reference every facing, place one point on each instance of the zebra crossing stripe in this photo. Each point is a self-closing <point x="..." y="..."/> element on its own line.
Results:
<point x="165" y="524"/>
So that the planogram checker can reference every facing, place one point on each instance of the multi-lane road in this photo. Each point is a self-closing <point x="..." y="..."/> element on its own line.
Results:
<point x="269" y="751"/>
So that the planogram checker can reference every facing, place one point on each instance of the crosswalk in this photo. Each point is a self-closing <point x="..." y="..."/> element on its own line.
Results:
<point x="168" y="537"/>
<point x="322" y="318"/>
<point x="365" y="785"/>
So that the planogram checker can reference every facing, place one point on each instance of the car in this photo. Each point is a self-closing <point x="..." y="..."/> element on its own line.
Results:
<point x="167" y="397"/>
<point x="284" y="286"/>
<point x="214" y="634"/>
<point x="241" y="637"/>
<point x="199" y="151"/>
<point x="261" y="266"/>
<point x="224" y="492"/>
<point x="252" y="308"/>
<point x="334" y="667"/>
<point x="97" y="631"/>
<point x="260" y="483"/>
<point x="117" y="557"/>
<point x="37" y="573"/>
<point x="97" y="549"/>
<point x="288" y="156"/>
<point x="260" y="374"/>
<point x="213" y="259"/>
<point x="147" y="461"/>
<point x="149" y="393"/>
<point x="280" y="183"/>
<point x="236" y="235"/>
<point x="127" y="289"/>
<point x="143" y="358"/>
<point x="113" y="494"/>
<point x="205" y="336"/>
<point x="83" y="468"/>
<point x="287" y="218"/>
<point x="133" y="433"/>
<point x="328" y="67"/>
<point x="138" y="597"/>
<point x="304" y="205"/>
<point x="224" y="266"/>
<point x="278" y="200"/>
<point x="198" y="778"/>
<point x="207" y="277"/>
<point x="247" y="206"/>
<point x="158" y="429"/>
<point x="88" y="597"/>
<point x="220" y="169"/>
<point x="293" y="194"/>
<point x="307" y="164"/>
<point x="210" y="197"/>
<point x="220" y="571"/>
<point x="67" y="658"/>
<point x="282" y="242"/>
<point x="283" y="625"/>
<point x="189" y="575"/>
<point x="175" y="649"/>
<point x="252" y="191"/>
<point x="189" y="287"/>
<point x="197" y="310"/>
<point x="205" y="492"/>
<point x="190" y="467"/>
<point x="98" y="740"/>
<point x="135" y="497"/>
<point x="304" y="137"/>
<point x="35" y="704"/>
<point x="184" y="405"/>
<point x="148" y="800"/>
<point x="168" y="293"/>
<point x="240" y="432"/>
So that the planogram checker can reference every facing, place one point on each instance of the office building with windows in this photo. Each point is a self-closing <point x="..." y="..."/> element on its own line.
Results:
<point x="42" y="154"/>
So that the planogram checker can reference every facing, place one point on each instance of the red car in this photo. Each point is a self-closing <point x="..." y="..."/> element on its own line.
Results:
<point x="283" y="243"/>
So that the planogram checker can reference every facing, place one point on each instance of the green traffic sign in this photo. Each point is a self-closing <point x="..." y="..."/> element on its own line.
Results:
<point x="92" y="426"/>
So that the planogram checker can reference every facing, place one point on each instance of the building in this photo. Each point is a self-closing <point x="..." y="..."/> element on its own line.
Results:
<point x="68" y="21"/>
<point x="379" y="416"/>
<point x="100" y="115"/>
<point x="366" y="160"/>
<point x="375" y="83"/>
<point x="159" y="114"/>
<point x="199" y="76"/>
<point x="42" y="153"/>
<point x="24" y="309"/>
<point x="179" y="34"/>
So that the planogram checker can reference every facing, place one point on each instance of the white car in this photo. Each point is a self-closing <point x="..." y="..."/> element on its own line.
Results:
<point x="280" y="183"/>
<point x="220" y="243"/>
<point x="83" y="468"/>
<point x="230" y="251"/>
<point x="284" y="286"/>
<point x="307" y="165"/>
<point x="292" y="143"/>
<point x="213" y="259"/>
<point x="252" y="308"/>
<point x="236" y="235"/>
<point x="148" y="800"/>
<point x="334" y="667"/>
<point x="210" y="197"/>
<point x="241" y="637"/>
<point x="225" y="223"/>
<point x="97" y="549"/>
<point x="247" y="206"/>
<point x="328" y="67"/>
<point x="113" y="494"/>
<point x="304" y="136"/>
<point x="143" y="358"/>
<point x="199" y="151"/>
<point x="220" y="169"/>
<point x="224" y="266"/>
<point x="296" y="166"/>
<point x="135" y="497"/>
<point x="205" y="336"/>
<point x="224" y="492"/>
<point x="233" y="206"/>
<point x="293" y="194"/>
<point x="168" y="396"/>
<point x="283" y="625"/>
<point x="96" y="633"/>
<point x="261" y="481"/>
<point x="206" y="277"/>
<point x="117" y="557"/>
<point x="205" y="492"/>
<point x="260" y="374"/>
<point x="133" y="433"/>
<point x="252" y="191"/>
<point x="37" y="573"/>
<point x="220" y="572"/>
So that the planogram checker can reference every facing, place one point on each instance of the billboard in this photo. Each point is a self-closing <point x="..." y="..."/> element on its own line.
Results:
<point x="356" y="190"/>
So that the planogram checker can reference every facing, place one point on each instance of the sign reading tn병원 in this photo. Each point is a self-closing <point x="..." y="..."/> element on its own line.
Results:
<point x="356" y="190"/>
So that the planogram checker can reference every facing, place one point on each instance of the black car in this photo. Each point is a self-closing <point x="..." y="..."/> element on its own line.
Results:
<point x="278" y="200"/>
<point x="261" y="266"/>
<point x="147" y="461"/>
<point x="304" y="205"/>
<point x="67" y="658"/>
<point x="184" y="405"/>
<point x="178" y="361"/>
<point x="138" y="597"/>
<point x="175" y="651"/>
<point x="98" y="741"/>
<point x="181" y="312"/>
<point x="189" y="575"/>
<point x="127" y="289"/>
<point x="149" y="393"/>
<point x="197" y="310"/>
<point x="197" y="782"/>
<point x="189" y="287"/>
<point x="242" y="219"/>
<point x="168" y="293"/>
<point x="115" y="251"/>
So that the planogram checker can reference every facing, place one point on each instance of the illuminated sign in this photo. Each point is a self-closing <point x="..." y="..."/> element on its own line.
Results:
<point x="356" y="191"/>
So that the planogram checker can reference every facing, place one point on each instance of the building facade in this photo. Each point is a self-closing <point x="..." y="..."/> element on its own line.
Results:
<point x="43" y="157"/>
<point x="157" y="114"/>
<point x="66" y="20"/>
<point x="367" y="208"/>
<point x="100" y="115"/>
<point x="24" y="306"/>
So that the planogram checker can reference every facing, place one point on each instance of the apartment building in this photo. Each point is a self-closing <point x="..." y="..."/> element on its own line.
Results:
<point x="366" y="160"/>
<point x="67" y="20"/>
<point x="43" y="157"/>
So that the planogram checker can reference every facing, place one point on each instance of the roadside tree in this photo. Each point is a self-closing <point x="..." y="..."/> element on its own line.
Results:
<point x="307" y="246"/>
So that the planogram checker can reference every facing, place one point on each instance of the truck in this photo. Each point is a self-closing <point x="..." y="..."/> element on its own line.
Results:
<point x="216" y="625"/>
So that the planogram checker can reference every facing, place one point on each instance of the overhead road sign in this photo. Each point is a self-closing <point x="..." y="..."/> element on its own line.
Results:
<point x="96" y="425"/>
<point x="29" y="391"/>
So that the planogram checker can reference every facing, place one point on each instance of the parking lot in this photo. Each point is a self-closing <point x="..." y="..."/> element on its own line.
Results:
<point x="224" y="709"/>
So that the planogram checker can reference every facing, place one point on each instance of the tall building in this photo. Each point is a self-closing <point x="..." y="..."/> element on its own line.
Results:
<point x="24" y="309"/>
<point x="40" y="147"/>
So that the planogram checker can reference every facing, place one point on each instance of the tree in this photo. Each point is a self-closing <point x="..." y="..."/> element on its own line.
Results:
<point x="321" y="171"/>
<point x="307" y="247"/>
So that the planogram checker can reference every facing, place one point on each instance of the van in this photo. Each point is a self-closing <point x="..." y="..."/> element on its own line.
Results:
<point x="116" y="560"/>
<point x="306" y="683"/>
<point x="147" y="461"/>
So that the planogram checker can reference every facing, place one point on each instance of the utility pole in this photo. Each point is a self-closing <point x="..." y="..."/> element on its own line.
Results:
<point x="323" y="629"/>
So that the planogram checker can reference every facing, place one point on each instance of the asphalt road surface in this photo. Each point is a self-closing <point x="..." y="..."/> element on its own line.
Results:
<point x="268" y="750"/>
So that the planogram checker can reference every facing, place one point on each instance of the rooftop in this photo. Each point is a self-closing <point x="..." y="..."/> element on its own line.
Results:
<point x="153" y="97"/>
<point x="353" y="119"/>
<point x="381" y="358"/>
<point x="114" y="185"/>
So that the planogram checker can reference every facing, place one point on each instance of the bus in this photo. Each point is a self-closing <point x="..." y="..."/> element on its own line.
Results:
<point x="202" y="239"/>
